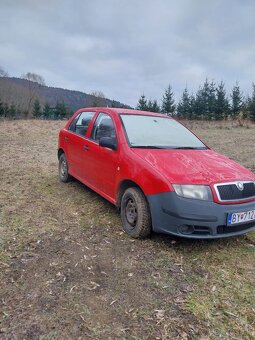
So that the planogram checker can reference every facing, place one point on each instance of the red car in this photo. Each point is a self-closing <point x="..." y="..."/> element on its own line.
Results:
<point x="161" y="176"/>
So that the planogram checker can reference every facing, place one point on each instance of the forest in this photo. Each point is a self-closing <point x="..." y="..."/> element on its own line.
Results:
<point x="210" y="102"/>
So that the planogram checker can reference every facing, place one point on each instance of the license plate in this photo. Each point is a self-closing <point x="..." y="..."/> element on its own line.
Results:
<point x="241" y="217"/>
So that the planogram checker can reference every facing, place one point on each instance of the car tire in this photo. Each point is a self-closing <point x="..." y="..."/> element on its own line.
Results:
<point x="135" y="213"/>
<point x="63" y="169"/>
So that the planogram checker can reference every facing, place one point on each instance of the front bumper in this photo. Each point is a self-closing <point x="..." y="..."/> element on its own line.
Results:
<point x="193" y="218"/>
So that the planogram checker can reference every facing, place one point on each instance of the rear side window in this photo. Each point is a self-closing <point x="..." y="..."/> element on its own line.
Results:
<point x="81" y="122"/>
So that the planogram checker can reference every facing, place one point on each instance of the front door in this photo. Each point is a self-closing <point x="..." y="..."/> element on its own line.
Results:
<point x="102" y="162"/>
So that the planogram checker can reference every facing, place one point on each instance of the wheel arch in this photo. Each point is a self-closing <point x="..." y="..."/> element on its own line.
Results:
<point x="60" y="152"/>
<point x="123" y="186"/>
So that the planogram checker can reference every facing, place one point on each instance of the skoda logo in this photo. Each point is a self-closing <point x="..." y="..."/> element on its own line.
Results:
<point x="239" y="186"/>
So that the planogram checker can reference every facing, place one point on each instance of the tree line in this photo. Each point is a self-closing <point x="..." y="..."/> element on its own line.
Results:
<point x="210" y="102"/>
<point x="36" y="110"/>
<point x="59" y="111"/>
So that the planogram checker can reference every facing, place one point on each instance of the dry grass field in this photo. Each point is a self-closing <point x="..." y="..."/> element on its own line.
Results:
<point x="67" y="271"/>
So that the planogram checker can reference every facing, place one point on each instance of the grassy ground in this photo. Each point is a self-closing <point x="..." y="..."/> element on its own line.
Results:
<point x="68" y="271"/>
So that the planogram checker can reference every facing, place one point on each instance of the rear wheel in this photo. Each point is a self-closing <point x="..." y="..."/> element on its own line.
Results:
<point x="135" y="213"/>
<point x="63" y="169"/>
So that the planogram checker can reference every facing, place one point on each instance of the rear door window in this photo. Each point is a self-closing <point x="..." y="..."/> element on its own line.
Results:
<point x="81" y="122"/>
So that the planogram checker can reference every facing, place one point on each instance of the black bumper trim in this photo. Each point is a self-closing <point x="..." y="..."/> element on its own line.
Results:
<point x="180" y="216"/>
<point x="191" y="217"/>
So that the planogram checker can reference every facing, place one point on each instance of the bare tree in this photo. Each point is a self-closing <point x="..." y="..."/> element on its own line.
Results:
<point x="34" y="80"/>
<point x="3" y="73"/>
<point x="99" y="98"/>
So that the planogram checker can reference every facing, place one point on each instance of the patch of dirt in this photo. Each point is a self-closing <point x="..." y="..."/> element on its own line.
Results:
<point x="86" y="284"/>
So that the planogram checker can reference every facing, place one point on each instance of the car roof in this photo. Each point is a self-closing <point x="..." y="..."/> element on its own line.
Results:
<point x="117" y="111"/>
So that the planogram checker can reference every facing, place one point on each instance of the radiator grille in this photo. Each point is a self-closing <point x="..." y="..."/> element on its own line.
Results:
<point x="232" y="191"/>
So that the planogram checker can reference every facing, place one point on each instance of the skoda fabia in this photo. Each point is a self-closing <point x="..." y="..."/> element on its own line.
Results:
<point x="158" y="173"/>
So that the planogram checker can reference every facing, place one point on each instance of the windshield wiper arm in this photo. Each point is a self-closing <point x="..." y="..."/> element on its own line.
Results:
<point x="189" y="148"/>
<point x="146" y="147"/>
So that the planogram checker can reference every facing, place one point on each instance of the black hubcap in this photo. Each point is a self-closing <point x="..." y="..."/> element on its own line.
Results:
<point x="131" y="212"/>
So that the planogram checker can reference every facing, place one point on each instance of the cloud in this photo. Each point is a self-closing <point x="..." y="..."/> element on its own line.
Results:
<point x="126" y="48"/>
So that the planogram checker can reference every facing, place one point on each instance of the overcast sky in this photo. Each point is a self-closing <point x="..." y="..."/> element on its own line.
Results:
<point x="128" y="47"/>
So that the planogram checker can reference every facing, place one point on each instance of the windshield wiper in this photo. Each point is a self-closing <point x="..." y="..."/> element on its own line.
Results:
<point x="146" y="147"/>
<point x="189" y="148"/>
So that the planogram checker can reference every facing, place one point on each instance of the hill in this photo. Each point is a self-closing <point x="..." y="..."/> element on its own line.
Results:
<point x="22" y="93"/>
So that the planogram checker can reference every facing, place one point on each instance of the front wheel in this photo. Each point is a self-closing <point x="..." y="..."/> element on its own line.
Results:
<point x="63" y="169"/>
<point x="135" y="213"/>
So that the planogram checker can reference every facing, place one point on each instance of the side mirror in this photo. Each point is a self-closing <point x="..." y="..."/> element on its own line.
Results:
<point x="108" y="142"/>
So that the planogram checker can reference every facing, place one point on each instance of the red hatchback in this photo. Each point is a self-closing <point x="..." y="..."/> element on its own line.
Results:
<point x="161" y="176"/>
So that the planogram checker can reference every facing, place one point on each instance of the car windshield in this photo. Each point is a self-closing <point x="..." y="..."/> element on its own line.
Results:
<point x="158" y="133"/>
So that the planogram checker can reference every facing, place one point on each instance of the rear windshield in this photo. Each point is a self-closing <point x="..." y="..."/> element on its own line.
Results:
<point x="158" y="132"/>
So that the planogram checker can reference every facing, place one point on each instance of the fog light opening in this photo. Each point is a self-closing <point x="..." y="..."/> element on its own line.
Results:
<point x="187" y="229"/>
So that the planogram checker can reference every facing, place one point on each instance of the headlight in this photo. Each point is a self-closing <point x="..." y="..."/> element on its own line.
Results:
<point x="199" y="192"/>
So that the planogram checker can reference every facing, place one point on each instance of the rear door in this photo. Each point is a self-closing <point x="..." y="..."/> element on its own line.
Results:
<point x="75" y="139"/>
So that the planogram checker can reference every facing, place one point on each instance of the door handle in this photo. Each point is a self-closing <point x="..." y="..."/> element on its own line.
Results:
<point x="66" y="139"/>
<point x="85" y="147"/>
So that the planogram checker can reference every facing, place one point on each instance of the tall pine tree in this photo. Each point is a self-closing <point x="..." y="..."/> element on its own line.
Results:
<point x="61" y="110"/>
<point x="37" y="108"/>
<point x="198" y="105"/>
<point x="142" y="104"/>
<point x="207" y="100"/>
<point x="155" y="106"/>
<point x="251" y="104"/>
<point x="12" y="111"/>
<point x="184" y="107"/>
<point x="47" y="112"/>
<point x="221" y="102"/>
<point x="149" y="105"/>
<point x="192" y="101"/>
<point x="237" y="101"/>
<point x="211" y="100"/>
<point x="168" y="105"/>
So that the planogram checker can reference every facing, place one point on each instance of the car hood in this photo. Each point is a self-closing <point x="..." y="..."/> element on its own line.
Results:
<point x="194" y="166"/>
